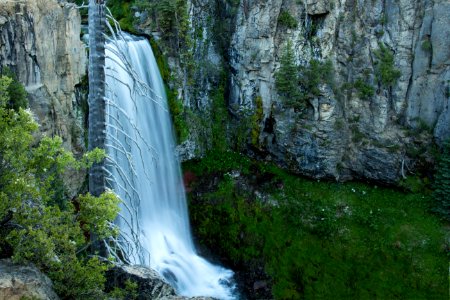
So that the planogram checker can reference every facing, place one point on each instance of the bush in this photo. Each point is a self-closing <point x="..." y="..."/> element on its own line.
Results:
<point x="36" y="222"/>
<point x="426" y="45"/>
<point x="365" y="90"/>
<point x="287" y="20"/>
<point x="16" y="90"/>
<point x="122" y="12"/>
<point x="386" y="73"/>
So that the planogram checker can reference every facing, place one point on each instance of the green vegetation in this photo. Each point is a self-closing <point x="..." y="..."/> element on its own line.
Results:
<point x="171" y="18"/>
<point x="257" y="117"/>
<point x="122" y="12"/>
<point x="442" y="184"/>
<point x="38" y="223"/>
<point x="314" y="74"/>
<point x="129" y="292"/>
<point x="426" y="45"/>
<point x="385" y="71"/>
<point x="365" y="90"/>
<point x="219" y="118"/>
<point x="176" y="108"/>
<point x="286" y="78"/>
<point x="287" y="20"/>
<point x="223" y="24"/>
<point x="319" y="240"/>
<point x="16" y="91"/>
<point x="296" y="85"/>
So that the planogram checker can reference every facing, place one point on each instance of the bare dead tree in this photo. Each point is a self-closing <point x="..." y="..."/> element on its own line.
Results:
<point x="96" y="99"/>
<point x="105" y="33"/>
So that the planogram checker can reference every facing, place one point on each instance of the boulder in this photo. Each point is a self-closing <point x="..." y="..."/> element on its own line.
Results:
<point x="151" y="285"/>
<point x="24" y="281"/>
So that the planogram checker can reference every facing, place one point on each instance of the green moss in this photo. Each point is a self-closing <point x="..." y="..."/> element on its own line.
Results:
<point x="176" y="107"/>
<point x="323" y="240"/>
<point x="219" y="118"/>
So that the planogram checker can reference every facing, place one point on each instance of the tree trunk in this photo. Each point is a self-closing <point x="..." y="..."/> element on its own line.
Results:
<point x="96" y="100"/>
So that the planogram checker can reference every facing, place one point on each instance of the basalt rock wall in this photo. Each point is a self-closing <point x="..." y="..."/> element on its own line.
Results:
<point x="377" y="131"/>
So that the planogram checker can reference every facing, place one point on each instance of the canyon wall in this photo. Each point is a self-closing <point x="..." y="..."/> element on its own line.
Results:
<point x="40" y="43"/>
<point x="364" y="123"/>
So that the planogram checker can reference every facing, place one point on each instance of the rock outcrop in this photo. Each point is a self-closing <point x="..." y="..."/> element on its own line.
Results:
<point x="150" y="286"/>
<point x="40" y="43"/>
<point x="358" y="126"/>
<point x="24" y="282"/>
<point x="344" y="135"/>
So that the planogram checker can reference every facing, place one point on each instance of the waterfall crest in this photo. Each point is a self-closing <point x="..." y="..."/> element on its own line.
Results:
<point x="144" y="171"/>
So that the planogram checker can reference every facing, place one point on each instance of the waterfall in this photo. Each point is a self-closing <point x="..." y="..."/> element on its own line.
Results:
<point x="144" y="171"/>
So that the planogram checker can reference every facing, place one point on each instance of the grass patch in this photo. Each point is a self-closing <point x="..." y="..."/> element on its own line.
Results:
<point x="319" y="240"/>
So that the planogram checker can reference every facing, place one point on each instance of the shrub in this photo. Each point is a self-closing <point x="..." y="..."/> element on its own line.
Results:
<point x="365" y="90"/>
<point x="38" y="224"/>
<point x="386" y="73"/>
<point x="426" y="45"/>
<point x="256" y="120"/>
<point x="287" y="20"/>
<point x="16" y="90"/>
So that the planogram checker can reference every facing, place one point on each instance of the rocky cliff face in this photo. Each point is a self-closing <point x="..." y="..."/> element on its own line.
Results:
<point x="358" y="126"/>
<point x="343" y="134"/>
<point x="40" y="43"/>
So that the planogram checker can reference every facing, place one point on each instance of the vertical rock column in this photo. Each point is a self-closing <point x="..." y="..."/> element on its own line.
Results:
<point x="97" y="125"/>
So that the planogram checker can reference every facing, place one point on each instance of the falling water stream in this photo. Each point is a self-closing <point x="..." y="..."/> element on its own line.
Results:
<point x="144" y="171"/>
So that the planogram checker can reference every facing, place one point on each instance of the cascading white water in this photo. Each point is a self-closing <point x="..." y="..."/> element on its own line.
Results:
<point x="145" y="172"/>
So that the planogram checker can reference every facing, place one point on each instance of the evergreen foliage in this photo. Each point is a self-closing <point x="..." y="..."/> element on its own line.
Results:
<point x="298" y="84"/>
<point x="315" y="74"/>
<point x="172" y="20"/>
<point x="122" y="12"/>
<point x="38" y="226"/>
<point x="384" y="66"/>
<point x="365" y="90"/>
<point x="442" y="184"/>
<point x="287" y="20"/>
<point x="286" y="78"/>
<point x="17" y="94"/>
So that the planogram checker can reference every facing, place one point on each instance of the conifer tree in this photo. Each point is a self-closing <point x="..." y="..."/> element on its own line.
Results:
<point x="286" y="79"/>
